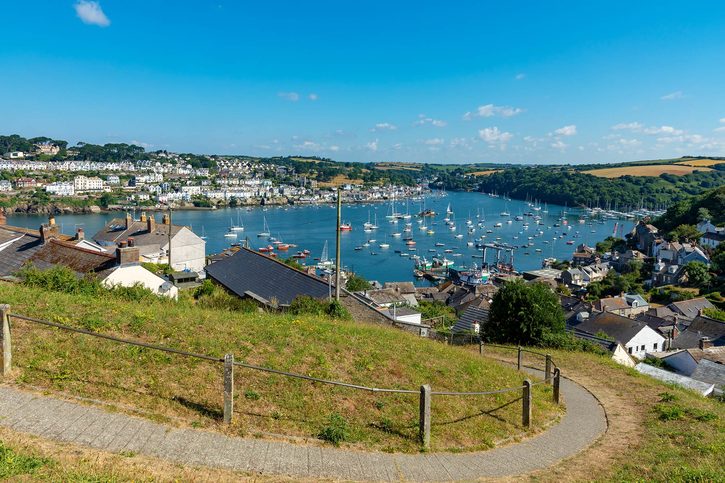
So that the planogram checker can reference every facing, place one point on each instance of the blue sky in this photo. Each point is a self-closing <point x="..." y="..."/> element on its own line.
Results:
<point x="467" y="81"/>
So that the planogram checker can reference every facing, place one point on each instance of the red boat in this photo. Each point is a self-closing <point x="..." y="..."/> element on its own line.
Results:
<point x="346" y="227"/>
<point x="267" y="249"/>
<point x="283" y="247"/>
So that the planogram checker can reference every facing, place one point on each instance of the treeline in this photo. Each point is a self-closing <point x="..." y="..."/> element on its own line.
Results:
<point x="14" y="142"/>
<point x="324" y="170"/>
<point x="564" y="185"/>
<point x="709" y="205"/>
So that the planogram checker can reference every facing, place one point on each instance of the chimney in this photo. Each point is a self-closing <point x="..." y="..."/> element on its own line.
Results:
<point x="705" y="343"/>
<point x="80" y="235"/>
<point x="166" y="220"/>
<point x="48" y="231"/>
<point x="143" y="217"/>
<point x="151" y="223"/>
<point x="51" y="220"/>
<point x="129" y="220"/>
<point x="3" y="220"/>
<point x="127" y="253"/>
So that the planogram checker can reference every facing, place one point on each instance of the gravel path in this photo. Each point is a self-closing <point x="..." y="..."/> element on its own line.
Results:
<point x="53" y="418"/>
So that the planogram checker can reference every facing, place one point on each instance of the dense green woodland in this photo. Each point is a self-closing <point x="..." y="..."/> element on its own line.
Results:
<point x="709" y="205"/>
<point x="564" y="185"/>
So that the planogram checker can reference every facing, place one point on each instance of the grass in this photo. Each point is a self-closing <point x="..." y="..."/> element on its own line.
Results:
<point x="179" y="390"/>
<point x="484" y="172"/>
<point x="339" y="180"/>
<point x="646" y="170"/>
<point x="657" y="432"/>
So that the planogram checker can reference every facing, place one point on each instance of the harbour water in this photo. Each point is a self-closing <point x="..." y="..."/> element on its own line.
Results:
<point x="310" y="226"/>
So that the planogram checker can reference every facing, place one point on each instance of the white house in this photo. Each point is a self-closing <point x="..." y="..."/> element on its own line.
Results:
<point x="60" y="189"/>
<point x="84" y="183"/>
<point x="135" y="274"/>
<point x="188" y="251"/>
<point x="405" y="314"/>
<point x="636" y="337"/>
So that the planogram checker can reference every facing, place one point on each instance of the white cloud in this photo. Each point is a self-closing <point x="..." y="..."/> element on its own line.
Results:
<point x="384" y="126"/>
<point x="490" y="110"/>
<point x="494" y="135"/>
<point x="91" y="13"/>
<point x="722" y="120"/>
<point x="290" y="96"/>
<point x="434" y="141"/>
<point x="672" y="96"/>
<point x="630" y="126"/>
<point x="569" y="130"/>
<point x="312" y="96"/>
<point x="559" y="145"/>
<point x="520" y="76"/>
<point x="720" y="129"/>
<point x="652" y="130"/>
<point x="686" y="138"/>
<point x="372" y="145"/>
<point x="423" y="119"/>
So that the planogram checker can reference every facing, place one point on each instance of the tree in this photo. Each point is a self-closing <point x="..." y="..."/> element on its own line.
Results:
<point x="698" y="274"/>
<point x="703" y="214"/>
<point x="524" y="313"/>
<point x="356" y="283"/>
<point x="685" y="233"/>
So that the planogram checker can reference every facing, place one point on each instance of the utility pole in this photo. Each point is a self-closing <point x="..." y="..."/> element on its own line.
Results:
<point x="337" y="253"/>
<point x="169" y="228"/>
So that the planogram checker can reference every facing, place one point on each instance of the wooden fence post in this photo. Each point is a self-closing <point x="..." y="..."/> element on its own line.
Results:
<point x="526" y="406"/>
<point x="480" y="347"/>
<point x="228" y="387"/>
<point x="519" y="359"/>
<point x="547" y="370"/>
<point x="425" y="416"/>
<point x="7" y="342"/>
<point x="557" y="380"/>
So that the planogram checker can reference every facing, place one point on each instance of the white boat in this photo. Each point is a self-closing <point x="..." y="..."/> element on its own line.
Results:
<point x="265" y="229"/>
<point x="325" y="261"/>
<point x="397" y="235"/>
<point x="203" y="233"/>
<point x="230" y="234"/>
<point x="239" y="226"/>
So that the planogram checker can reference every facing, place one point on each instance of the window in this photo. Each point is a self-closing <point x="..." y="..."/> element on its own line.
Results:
<point x="655" y="346"/>
<point x="630" y="350"/>
<point x="642" y="347"/>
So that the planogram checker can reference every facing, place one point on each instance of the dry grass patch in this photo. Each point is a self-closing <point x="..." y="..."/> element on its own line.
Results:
<point x="184" y="391"/>
<point x="339" y="180"/>
<point x="701" y="162"/>
<point x="647" y="170"/>
<point x="485" y="172"/>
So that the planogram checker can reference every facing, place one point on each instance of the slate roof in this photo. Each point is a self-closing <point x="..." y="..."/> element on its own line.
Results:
<point x="710" y="372"/>
<point x="22" y="245"/>
<point x="606" y="344"/>
<point x="661" y="312"/>
<point x="621" y="329"/>
<point x="611" y="303"/>
<point x="80" y="260"/>
<point x="714" y="354"/>
<point x="249" y="273"/>
<point x="699" y="328"/>
<point x="470" y="315"/>
<point x="690" y="308"/>
<point x="115" y="231"/>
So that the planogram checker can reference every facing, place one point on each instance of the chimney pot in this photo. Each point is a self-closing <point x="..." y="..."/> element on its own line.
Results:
<point x="143" y="217"/>
<point x="151" y="223"/>
<point x="48" y="232"/>
<point x="131" y="242"/>
<point x="80" y="235"/>
<point x="129" y="220"/>
<point x="3" y="220"/>
<point x="705" y="343"/>
<point x="51" y="220"/>
<point x="166" y="219"/>
<point x="123" y="244"/>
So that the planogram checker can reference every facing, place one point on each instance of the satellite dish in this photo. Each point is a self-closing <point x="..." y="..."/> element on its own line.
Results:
<point x="165" y="287"/>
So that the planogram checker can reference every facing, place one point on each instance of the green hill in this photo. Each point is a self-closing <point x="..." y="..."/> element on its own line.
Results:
<point x="690" y="210"/>
<point x="188" y="391"/>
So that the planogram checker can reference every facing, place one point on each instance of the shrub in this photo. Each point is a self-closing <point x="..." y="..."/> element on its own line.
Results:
<point x="251" y="395"/>
<point x="669" y="413"/>
<point x="206" y="288"/>
<point x="306" y="305"/>
<point x="357" y="283"/>
<point x="336" y="430"/>
<point x="337" y="311"/>
<point x="221" y="300"/>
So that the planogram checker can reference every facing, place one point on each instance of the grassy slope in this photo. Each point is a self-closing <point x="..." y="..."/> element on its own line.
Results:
<point x="174" y="388"/>
<point x="650" y="437"/>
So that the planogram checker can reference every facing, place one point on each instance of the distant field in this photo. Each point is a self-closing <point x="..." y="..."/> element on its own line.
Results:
<point x="701" y="162"/>
<point x="404" y="166"/>
<point x="485" y="173"/>
<point x="651" y="170"/>
<point x="340" y="180"/>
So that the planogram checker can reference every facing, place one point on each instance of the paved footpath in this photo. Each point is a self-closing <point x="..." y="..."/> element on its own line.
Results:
<point x="56" y="419"/>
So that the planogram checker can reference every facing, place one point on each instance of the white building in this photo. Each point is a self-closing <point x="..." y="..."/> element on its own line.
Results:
<point x="61" y="189"/>
<point x="5" y="185"/>
<point x="84" y="183"/>
<point x="16" y="155"/>
<point x="636" y="337"/>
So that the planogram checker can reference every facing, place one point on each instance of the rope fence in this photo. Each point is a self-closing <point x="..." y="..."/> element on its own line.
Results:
<point x="229" y="363"/>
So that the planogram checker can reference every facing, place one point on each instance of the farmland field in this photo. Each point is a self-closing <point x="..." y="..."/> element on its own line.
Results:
<point x="485" y="173"/>
<point x="651" y="170"/>
<point x="701" y="162"/>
